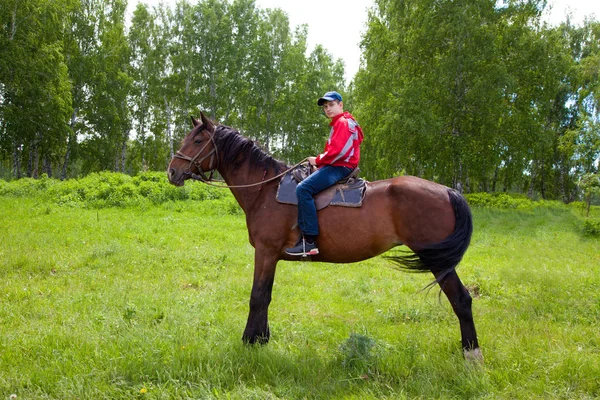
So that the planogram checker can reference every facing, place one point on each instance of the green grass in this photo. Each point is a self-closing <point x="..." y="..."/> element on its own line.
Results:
<point x="151" y="302"/>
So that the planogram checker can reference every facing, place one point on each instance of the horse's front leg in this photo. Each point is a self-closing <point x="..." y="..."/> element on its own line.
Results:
<point x="257" y="327"/>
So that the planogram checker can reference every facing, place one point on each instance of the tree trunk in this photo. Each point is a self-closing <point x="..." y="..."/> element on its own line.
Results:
<point x="562" y="179"/>
<point x="16" y="150"/>
<point x="458" y="184"/>
<point x="495" y="178"/>
<point x="169" y="133"/>
<point x="184" y="104"/>
<point x="13" y="25"/>
<point x="70" y="143"/>
<point x="65" y="166"/>
<point x="117" y="158"/>
<point x="543" y="181"/>
<point x="124" y="153"/>
<point x="268" y="131"/>
<point x="467" y="183"/>
<point x="33" y="162"/>
<point x="532" y="181"/>
<point x="47" y="166"/>
<point x="142" y="131"/>
<point x="213" y="98"/>
<point x="16" y="162"/>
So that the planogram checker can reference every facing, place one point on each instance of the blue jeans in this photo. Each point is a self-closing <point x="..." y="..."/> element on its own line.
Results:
<point x="323" y="178"/>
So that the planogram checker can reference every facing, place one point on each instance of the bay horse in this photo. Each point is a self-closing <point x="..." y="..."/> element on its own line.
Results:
<point x="432" y="220"/>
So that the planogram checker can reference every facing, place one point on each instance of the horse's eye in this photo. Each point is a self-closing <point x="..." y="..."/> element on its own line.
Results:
<point x="198" y="141"/>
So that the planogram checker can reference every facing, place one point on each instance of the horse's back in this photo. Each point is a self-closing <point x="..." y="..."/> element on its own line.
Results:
<point x="409" y="187"/>
<point x="421" y="209"/>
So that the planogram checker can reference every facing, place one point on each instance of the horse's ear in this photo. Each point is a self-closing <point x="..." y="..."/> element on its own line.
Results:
<point x="195" y="122"/>
<point x="208" y="124"/>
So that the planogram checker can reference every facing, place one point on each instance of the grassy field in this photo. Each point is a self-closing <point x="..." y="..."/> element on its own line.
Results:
<point x="150" y="303"/>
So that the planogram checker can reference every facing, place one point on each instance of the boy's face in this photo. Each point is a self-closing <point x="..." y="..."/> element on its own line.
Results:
<point x="333" y="108"/>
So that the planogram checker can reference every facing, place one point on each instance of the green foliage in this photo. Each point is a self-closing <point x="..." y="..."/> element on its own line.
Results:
<point x="112" y="189"/>
<point x="450" y="91"/>
<point x="591" y="227"/>
<point x="35" y="90"/>
<point x="117" y="96"/>
<point x="590" y="185"/>
<point x="504" y="200"/>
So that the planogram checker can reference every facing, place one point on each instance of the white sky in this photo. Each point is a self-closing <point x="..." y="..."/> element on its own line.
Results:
<point x="339" y="24"/>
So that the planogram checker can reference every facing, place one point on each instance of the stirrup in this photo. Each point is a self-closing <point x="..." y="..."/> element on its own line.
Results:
<point x="303" y="249"/>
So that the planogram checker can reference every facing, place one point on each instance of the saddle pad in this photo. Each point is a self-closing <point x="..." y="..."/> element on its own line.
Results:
<point x="349" y="194"/>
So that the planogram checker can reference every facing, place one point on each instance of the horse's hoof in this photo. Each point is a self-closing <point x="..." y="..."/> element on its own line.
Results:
<point x="474" y="355"/>
<point x="255" y="339"/>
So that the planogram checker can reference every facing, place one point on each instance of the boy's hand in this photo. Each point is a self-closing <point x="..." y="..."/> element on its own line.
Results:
<point x="312" y="160"/>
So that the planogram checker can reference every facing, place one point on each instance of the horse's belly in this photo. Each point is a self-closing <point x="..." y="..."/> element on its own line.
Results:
<point x="355" y="234"/>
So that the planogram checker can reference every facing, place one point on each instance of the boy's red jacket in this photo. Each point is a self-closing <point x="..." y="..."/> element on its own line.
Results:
<point x="343" y="146"/>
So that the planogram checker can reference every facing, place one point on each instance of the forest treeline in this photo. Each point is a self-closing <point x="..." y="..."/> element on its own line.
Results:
<point x="82" y="89"/>
<point x="482" y="95"/>
<point x="476" y="94"/>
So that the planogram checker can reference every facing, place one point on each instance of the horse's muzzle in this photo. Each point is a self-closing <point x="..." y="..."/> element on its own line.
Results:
<point x="174" y="178"/>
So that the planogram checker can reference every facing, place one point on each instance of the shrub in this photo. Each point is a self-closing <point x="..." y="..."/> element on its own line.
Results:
<point x="503" y="200"/>
<point x="111" y="189"/>
<point x="21" y="187"/>
<point x="150" y="176"/>
<point x="591" y="227"/>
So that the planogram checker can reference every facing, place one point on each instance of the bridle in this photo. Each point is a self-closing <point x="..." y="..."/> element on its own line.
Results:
<point x="213" y="154"/>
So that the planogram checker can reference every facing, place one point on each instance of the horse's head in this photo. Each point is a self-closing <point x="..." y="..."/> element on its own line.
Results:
<point x="197" y="155"/>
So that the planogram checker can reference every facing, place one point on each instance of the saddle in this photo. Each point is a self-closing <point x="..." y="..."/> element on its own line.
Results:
<point x="349" y="192"/>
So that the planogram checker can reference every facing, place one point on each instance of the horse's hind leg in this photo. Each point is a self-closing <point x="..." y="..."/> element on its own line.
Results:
<point x="460" y="299"/>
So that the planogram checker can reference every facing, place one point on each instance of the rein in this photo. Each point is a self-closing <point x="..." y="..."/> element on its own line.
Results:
<point x="202" y="178"/>
<point x="213" y="153"/>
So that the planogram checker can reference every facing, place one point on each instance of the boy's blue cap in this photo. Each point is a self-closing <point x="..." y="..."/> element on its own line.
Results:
<point x="329" y="96"/>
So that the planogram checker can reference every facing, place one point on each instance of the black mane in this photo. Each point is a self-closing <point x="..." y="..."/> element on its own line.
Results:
<point x="235" y="149"/>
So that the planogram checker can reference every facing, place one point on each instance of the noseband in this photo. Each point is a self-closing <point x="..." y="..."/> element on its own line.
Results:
<point x="198" y="162"/>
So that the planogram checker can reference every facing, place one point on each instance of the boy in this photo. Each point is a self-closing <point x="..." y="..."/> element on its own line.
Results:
<point x="340" y="157"/>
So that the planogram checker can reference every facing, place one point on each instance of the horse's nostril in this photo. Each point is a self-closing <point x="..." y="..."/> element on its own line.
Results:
<point x="171" y="172"/>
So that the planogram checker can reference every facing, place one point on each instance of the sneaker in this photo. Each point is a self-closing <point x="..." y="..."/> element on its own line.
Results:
<point x="303" y="248"/>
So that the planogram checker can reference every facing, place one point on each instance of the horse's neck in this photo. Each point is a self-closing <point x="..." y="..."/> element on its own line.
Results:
<point x="244" y="175"/>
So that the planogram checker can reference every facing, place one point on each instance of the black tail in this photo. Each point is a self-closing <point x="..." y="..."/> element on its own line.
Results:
<point x="441" y="258"/>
